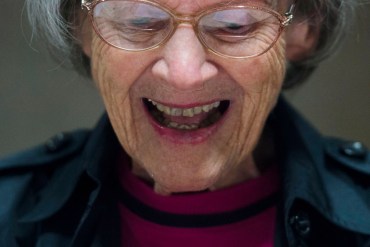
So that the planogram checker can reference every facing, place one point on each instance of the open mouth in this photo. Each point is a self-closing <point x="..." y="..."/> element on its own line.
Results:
<point x="186" y="118"/>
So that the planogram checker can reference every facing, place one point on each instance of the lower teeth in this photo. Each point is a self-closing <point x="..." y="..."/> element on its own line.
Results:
<point x="211" y="119"/>
<point x="174" y="125"/>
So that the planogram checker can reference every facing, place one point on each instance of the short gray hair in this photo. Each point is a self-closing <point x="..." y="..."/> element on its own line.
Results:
<point x="56" y="21"/>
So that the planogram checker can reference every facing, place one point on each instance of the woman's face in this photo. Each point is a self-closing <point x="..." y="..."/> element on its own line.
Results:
<point x="224" y="104"/>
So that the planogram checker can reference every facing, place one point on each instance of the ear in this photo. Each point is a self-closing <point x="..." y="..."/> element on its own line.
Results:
<point x="85" y="34"/>
<point x="301" y="40"/>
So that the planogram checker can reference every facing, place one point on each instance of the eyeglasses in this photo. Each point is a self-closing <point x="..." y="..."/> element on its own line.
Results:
<point x="236" y="30"/>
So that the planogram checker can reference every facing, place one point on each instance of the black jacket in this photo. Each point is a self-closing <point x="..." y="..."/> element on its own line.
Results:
<point x="62" y="193"/>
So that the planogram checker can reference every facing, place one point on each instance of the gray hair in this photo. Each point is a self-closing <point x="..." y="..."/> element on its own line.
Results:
<point x="56" y="21"/>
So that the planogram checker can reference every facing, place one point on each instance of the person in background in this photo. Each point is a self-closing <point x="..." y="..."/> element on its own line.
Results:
<point x="197" y="146"/>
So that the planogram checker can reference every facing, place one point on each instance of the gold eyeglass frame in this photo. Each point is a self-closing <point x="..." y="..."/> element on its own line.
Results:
<point x="193" y="20"/>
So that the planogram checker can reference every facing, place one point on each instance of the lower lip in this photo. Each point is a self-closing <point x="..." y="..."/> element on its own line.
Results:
<point x="186" y="136"/>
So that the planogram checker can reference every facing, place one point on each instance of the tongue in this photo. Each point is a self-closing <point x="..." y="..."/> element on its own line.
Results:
<point x="196" y="119"/>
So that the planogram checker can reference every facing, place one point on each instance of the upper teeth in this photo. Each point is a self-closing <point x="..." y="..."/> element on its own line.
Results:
<point x="185" y="112"/>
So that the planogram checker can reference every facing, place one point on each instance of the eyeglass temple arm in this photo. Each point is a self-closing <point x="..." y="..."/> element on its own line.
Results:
<point x="289" y="15"/>
<point x="87" y="4"/>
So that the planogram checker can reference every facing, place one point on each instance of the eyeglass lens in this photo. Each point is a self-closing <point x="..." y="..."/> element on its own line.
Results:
<point x="238" y="31"/>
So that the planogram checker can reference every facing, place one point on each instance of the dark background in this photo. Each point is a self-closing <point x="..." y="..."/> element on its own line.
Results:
<point x="39" y="98"/>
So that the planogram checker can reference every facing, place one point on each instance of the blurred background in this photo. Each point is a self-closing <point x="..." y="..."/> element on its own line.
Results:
<point x="39" y="98"/>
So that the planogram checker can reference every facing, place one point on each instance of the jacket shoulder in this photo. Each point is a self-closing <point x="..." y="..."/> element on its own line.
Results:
<point x="28" y="177"/>
<point x="61" y="146"/>
<point x="353" y="155"/>
<point x="344" y="180"/>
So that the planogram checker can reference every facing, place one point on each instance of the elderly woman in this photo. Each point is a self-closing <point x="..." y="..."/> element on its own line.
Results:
<point x="197" y="147"/>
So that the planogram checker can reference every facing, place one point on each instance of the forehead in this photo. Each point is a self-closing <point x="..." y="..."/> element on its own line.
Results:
<point x="192" y="6"/>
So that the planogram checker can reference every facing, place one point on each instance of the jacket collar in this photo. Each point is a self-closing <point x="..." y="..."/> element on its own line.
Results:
<point x="99" y="149"/>
<point x="300" y="150"/>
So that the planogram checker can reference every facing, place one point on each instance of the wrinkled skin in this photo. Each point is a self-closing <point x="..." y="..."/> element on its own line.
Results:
<point x="183" y="73"/>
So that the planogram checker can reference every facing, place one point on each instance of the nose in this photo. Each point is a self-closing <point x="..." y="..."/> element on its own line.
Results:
<point x="183" y="65"/>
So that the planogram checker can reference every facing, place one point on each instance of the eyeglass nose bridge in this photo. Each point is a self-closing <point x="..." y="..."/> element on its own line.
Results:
<point x="184" y="19"/>
<point x="190" y="20"/>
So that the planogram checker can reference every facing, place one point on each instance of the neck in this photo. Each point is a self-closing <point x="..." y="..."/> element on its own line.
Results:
<point x="263" y="156"/>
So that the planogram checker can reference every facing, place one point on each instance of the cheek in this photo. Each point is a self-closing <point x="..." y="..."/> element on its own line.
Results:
<point x="115" y="73"/>
<point x="113" y="69"/>
<point x="267" y="76"/>
<point x="260" y="81"/>
<point x="100" y="64"/>
<point x="263" y="73"/>
<point x="276" y="64"/>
